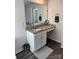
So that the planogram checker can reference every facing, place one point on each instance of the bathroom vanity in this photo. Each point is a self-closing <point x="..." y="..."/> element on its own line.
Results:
<point x="37" y="25"/>
<point x="37" y="35"/>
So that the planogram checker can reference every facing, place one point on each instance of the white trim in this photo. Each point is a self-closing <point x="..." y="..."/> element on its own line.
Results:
<point x="61" y="45"/>
<point x="57" y="40"/>
<point x="54" y="39"/>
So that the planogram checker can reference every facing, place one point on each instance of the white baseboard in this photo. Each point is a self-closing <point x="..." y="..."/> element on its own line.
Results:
<point x="57" y="40"/>
<point x="54" y="39"/>
<point x="19" y="50"/>
<point x="61" y="45"/>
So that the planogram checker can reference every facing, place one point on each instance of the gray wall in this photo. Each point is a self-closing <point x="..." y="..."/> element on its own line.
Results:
<point x="56" y="6"/>
<point x="20" y="32"/>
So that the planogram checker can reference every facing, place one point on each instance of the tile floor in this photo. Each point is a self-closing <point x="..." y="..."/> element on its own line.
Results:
<point x="57" y="54"/>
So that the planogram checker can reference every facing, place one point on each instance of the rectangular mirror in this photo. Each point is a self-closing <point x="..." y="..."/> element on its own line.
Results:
<point x="35" y="13"/>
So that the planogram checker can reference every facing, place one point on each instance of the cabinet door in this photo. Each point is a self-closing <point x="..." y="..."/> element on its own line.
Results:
<point x="44" y="37"/>
<point x="30" y="40"/>
<point x="38" y="39"/>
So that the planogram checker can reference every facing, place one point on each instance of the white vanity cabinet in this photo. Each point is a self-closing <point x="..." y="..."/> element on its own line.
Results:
<point x="36" y="40"/>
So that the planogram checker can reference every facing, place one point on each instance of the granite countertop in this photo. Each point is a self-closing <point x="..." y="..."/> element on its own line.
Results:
<point x="39" y="28"/>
